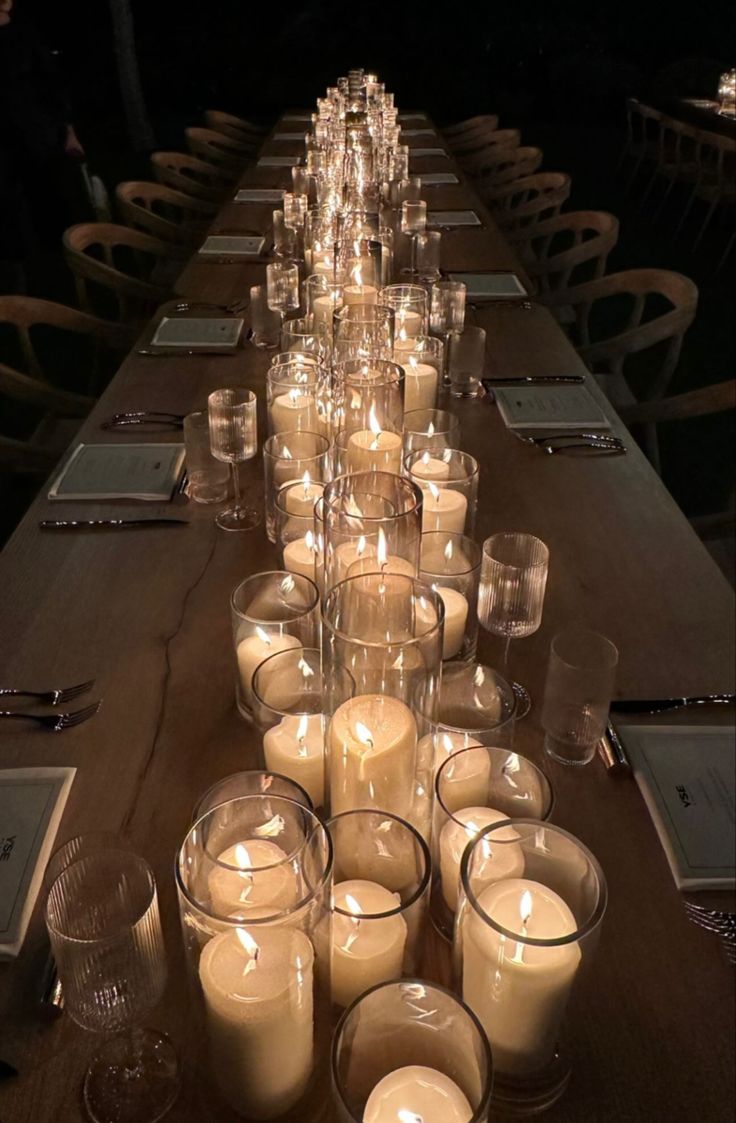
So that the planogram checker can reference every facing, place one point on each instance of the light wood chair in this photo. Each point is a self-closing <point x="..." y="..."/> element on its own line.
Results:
<point x="676" y="159"/>
<point x="159" y="210"/>
<point x="660" y="306"/>
<point x="217" y="149"/>
<point x="245" y="132"/>
<point x="461" y="129"/>
<point x="478" y="138"/>
<point x="93" y="250"/>
<point x="475" y="162"/>
<point x="525" y="202"/>
<point x="642" y="137"/>
<point x="555" y="250"/>
<point x="190" y="175"/>
<point x="505" y="165"/>
<point x="715" y="180"/>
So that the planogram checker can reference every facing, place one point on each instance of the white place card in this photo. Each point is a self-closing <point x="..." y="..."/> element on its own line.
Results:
<point x="492" y="286"/>
<point x="288" y="136"/>
<point x="213" y="332"/>
<point x="275" y="162"/>
<point x="428" y="152"/>
<point x="32" y="801"/>
<point x="452" y="218"/>
<point x="225" y="245"/>
<point x="260" y="195"/>
<point x="688" y="780"/>
<point x="418" y="132"/>
<point x="549" y="407"/>
<point x="434" y="179"/>
<point x="120" y="471"/>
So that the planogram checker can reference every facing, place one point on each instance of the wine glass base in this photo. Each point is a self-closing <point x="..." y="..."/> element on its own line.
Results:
<point x="523" y="700"/>
<point x="132" y="1083"/>
<point x="238" y="518"/>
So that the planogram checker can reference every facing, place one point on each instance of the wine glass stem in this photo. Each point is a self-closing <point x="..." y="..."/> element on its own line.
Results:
<point x="506" y="648"/>
<point x="236" y="484"/>
<point x="413" y="262"/>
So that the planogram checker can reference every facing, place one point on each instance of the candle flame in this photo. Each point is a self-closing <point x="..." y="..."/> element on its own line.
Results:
<point x="426" y="457"/>
<point x="405" y="1116"/>
<point x="413" y="362"/>
<point x="294" y="395"/>
<point x="525" y="909"/>
<point x="309" y="539"/>
<point x="250" y="946"/>
<point x="307" y="481"/>
<point x="357" y="275"/>
<point x="374" y="426"/>
<point x="381" y="550"/>
<point x="364" y="734"/>
<point x="434" y="492"/>
<point x="360" y="548"/>
<point x="449" y="550"/>
<point x="242" y="857"/>
<point x="264" y="637"/>
<point x="353" y="905"/>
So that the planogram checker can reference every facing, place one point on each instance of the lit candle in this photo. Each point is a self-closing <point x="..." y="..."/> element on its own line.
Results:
<point x="301" y="495"/>
<point x="323" y="308"/>
<point x="372" y="743"/>
<point x="366" y="949"/>
<point x="519" y="991"/>
<point x="374" y="449"/>
<point x="380" y="561"/>
<point x="408" y="323"/>
<point x="456" y="616"/>
<point x="293" y="410"/>
<point x="346" y="554"/>
<point x="420" y="387"/>
<point x="443" y="509"/>
<point x="252" y="651"/>
<point x="429" y="467"/>
<point x="434" y="749"/>
<point x="258" y="996"/>
<point x="300" y="556"/>
<point x="296" y="748"/>
<point x="466" y="778"/>
<point x="498" y="861"/>
<point x="253" y="874"/>
<point x="417" y="1094"/>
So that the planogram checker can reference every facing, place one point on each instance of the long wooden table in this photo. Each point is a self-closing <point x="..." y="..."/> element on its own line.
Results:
<point x="146" y="612"/>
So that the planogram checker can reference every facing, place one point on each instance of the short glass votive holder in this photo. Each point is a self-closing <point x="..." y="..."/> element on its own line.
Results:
<point x="521" y="946"/>
<point x="385" y="630"/>
<point x="323" y="300"/>
<point x="306" y="336"/>
<point x="433" y="429"/>
<point x="422" y="358"/>
<point x="270" y="612"/>
<point x="450" y="564"/>
<point x="475" y="701"/>
<point x="411" y="307"/>
<point x="252" y="781"/>
<point x="363" y="331"/>
<point x="368" y="397"/>
<point x="449" y="479"/>
<point x="371" y="519"/>
<point x="475" y="787"/>
<point x="288" y="459"/>
<point x="379" y="901"/>
<point x="427" y="256"/>
<point x="254" y="879"/>
<point x="291" y="397"/>
<point x="410" y="1049"/>
<point x="466" y="358"/>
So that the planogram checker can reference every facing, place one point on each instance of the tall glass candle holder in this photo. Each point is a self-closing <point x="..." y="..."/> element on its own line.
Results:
<point x="371" y="519"/>
<point x="449" y="479"/>
<point x="254" y="878"/>
<point x="307" y="336"/>
<point x="363" y="331"/>
<point x="450" y="564"/>
<point x="323" y="297"/>
<point x="291" y="397"/>
<point x="379" y="901"/>
<point x="252" y="781"/>
<point x="270" y="612"/>
<point x="422" y="358"/>
<point x="521" y="946"/>
<point x="475" y="787"/>
<point x="475" y="701"/>
<point x="295" y="544"/>
<point x="368" y="397"/>
<point x="410" y="305"/>
<point x="432" y="429"/>
<point x="288" y="458"/>
<point x="385" y="629"/>
<point x="410" y="1049"/>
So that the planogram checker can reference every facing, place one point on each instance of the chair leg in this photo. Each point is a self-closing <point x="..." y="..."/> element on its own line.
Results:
<point x="706" y="221"/>
<point x="684" y="214"/>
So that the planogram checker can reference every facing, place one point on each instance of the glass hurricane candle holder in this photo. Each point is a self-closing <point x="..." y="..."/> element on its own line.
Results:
<point x="323" y="298"/>
<point x="270" y="612"/>
<point x="291" y="397"/>
<point x="422" y="359"/>
<point x="287" y="458"/>
<point x="409" y="1050"/>
<point x="450" y="564"/>
<point x="306" y="336"/>
<point x="253" y="781"/>
<point x="449" y="479"/>
<point x="521" y="945"/>
<point x="363" y="331"/>
<point x="285" y="240"/>
<point x="385" y="629"/>
<point x="475" y="701"/>
<point x="295" y="542"/>
<point x="371" y="518"/>
<point x="475" y="787"/>
<point x="379" y="901"/>
<point x="254" y="878"/>
<point x="368" y="396"/>
<point x="410" y="306"/>
<point x="432" y="429"/>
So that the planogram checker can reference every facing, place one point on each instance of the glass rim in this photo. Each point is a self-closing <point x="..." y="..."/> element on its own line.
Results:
<point x="289" y="651"/>
<point x="453" y="425"/>
<point x="446" y="455"/>
<point x="468" y="544"/>
<point x="508" y="534"/>
<point x="607" y="649"/>
<point x="123" y="928"/>
<point x="454" y="669"/>
<point x="240" y="922"/>
<point x="282" y="574"/>
<point x="239" y="397"/>
<point x="384" y="644"/>
<point x="426" y="985"/>
<point x="423" y="848"/>
<point x="284" y="433"/>
<point x="581" y="930"/>
<point x="547" y="783"/>
<point x="403" y="483"/>
<point x="197" y="814"/>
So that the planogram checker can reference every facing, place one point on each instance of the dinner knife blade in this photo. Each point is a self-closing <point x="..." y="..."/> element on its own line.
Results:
<point x="659" y="705"/>
<point x="533" y="380"/>
<point x="107" y="524"/>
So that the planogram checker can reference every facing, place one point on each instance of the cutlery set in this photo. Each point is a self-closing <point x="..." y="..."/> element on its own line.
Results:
<point x="722" y="924"/>
<point x="552" y="443"/>
<point x="148" y="418"/>
<point x="57" y="721"/>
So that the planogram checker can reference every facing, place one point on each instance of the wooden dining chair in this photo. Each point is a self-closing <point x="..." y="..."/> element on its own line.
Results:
<point x="159" y="210"/>
<point x="96" y="251"/>
<point x="217" y="149"/>
<point x="454" y="133"/>
<point x="475" y="162"/>
<point x="527" y="201"/>
<point x="715" y="181"/>
<point x="245" y="132"/>
<point x="642" y="138"/>
<point x="505" y="165"/>
<point x="557" y="250"/>
<point x="472" y="142"/>
<point x="675" y="162"/>
<point x="190" y="175"/>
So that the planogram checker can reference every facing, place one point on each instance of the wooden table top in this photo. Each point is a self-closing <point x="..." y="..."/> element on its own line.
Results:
<point x="146" y="613"/>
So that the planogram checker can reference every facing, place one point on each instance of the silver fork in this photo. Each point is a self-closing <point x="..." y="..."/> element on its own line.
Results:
<point x="607" y="438"/>
<point x="57" y="722"/>
<point x="720" y="923"/>
<point x="610" y="447"/>
<point x="232" y="308"/>
<point x="53" y="697"/>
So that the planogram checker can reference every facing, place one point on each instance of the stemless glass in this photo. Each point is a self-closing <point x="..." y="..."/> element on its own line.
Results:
<point x="233" y="439"/>
<point x="208" y="478"/>
<point x="447" y="310"/>
<point x="513" y="579"/>
<point x="432" y="429"/>
<point x="103" y="922"/>
<point x="466" y="362"/>
<point x="450" y="564"/>
<point x="282" y="287"/>
<point x="428" y="248"/>
<point x="577" y="694"/>
<point x="265" y="323"/>
<point x="413" y="222"/>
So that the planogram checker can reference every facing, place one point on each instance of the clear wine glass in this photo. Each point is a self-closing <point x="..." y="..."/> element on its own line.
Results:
<point x="105" y="931"/>
<point x="234" y="438"/>
<point x="513" y="578"/>
<point x="413" y="222"/>
<point x="447" y="312"/>
<point x="282" y="287"/>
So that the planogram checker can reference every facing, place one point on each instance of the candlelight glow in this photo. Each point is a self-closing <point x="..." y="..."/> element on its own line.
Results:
<point x="309" y="539"/>
<point x="364" y="734"/>
<point x="264" y="637"/>
<point x="381" y="550"/>
<point x="302" y="728"/>
<point x="449" y="550"/>
<point x="434" y="492"/>
<point x="430" y="429"/>
<point x="307" y="481"/>
<point x="353" y="905"/>
<point x="250" y="946"/>
<point x="360" y="548"/>
<point x="374" y="427"/>
<point x="287" y="586"/>
<point x="242" y="857"/>
<point x="525" y="909"/>
<point x="286" y="455"/>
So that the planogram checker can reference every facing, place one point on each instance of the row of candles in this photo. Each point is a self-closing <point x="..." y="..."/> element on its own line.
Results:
<point x="372" y="505"/>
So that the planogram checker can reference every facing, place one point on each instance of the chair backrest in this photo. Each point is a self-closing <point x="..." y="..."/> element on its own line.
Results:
<point x="505" y="165"/>
<point x="190" y="175"/>
<point x="475" y="162"/>
<point x="716" y="158"/>
<point x="642" y="122"/>
<point x="472" y="141"/>
<point x="554" y="249"/>
<point x="161" y="211"/>
<point x="471" y="124"/>
<point x="89" y="249"/>
<point x="236" y="128"/>
<point x="676" y="142"/>
<point x="217" y="149"/>
<point x="529" y="200"/>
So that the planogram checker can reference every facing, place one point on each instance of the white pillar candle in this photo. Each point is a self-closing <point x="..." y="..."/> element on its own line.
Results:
<point x="254" y="874"/>
<point x="252" y="651"/>
<point x="466" y="779"/>
<point x="408" y="324"/>
<point x="420" y="385"/>
<point x="417" y="1094"/>
<point x="346" y="554"/>
<point x="259" y="1004"/>
<point x="300" y="556"/>
<point x="360" y="294"/>
<point x="293" y="410"/>
<point x="519" y="991"/>
<point x="366" y="950"/>
<point x="456" y="616"/>
<point x="434" y="749"/>
<point x="300" y="496"/>
<point x="372" y="744"/>
<point x="323" y="309"/>
<point x="323" y="267"/>
<point x="403" y="347"/>
<point x="296" y="748"/>
<point x="498" y="861"/>
<point x="443" y="509"/>
<point x="390" y="564"/>
<point x="380" y="452"/>
<point x="429" y="467"/>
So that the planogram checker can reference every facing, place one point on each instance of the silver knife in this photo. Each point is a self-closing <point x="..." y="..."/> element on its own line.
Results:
<point x="659" y="705"/>
<point x="533" y="380"/>
<point x="107" y="524"/>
